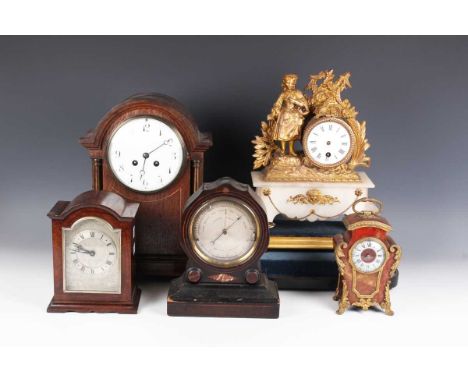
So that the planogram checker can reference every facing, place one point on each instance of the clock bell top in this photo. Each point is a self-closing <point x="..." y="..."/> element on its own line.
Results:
<point x="366" y="218"/>
<point x="107" y="201"/>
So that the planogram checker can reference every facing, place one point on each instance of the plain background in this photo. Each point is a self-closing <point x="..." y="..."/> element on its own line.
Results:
<point x="412" y="92"/>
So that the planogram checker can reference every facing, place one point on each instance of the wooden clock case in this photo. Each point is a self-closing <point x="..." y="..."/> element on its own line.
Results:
<point x="361" y="289"/>
<point x="120" y="214"/>
<point x="208" y="290"/>
<point x="158" y="252"/>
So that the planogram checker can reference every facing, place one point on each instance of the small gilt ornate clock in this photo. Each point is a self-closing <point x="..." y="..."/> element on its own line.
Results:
<point x="224" y="234"/>
<point x="367" y="259"/>
<point x="149" y="150"/>
<point x="93" y="238"/>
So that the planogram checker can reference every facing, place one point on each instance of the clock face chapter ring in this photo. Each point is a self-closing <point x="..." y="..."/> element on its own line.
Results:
<point x="224" y="232"/>
<point x="146" y="154"/>
<point x="328" y="142"/>
<point x="368" y="255"/>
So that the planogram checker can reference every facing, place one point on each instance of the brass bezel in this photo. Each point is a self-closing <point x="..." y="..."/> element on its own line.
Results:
<point x="312" y="124"/>
<point x="179" y="137"/>
<point x="217" y="263"/>
<point x="118" y="247"/>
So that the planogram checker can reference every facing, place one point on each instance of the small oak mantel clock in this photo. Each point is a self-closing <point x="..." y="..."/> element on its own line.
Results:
<point x="367" y="259"/>
<point x="224" y="234"/>
<point x="149" y="150"/>
<point x="93" y="238"/>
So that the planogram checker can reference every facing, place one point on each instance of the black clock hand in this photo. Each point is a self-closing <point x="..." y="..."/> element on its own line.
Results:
<point x="83" y="250"/>
<point x="225" y="230"/>
<point x="146" y="156"/>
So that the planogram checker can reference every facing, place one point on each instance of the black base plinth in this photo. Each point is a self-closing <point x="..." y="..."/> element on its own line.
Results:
<point x="213" y="300"/>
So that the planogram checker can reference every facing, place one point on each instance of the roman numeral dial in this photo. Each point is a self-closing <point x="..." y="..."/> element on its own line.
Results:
<point x="328" y="142"/>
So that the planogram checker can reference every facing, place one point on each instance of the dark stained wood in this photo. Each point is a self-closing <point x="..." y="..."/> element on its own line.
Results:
<point x="158" y="252"/>
<point x="208" y="290"/>
<point x="120" y="214"/>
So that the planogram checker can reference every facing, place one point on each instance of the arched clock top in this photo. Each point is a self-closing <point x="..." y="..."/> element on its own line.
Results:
<point x="155" y="105"/>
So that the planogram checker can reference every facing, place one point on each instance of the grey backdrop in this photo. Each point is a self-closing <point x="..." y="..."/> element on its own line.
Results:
<point x="412" y="91"/>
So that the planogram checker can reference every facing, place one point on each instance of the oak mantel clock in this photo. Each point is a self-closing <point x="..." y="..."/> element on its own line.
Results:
<point x="224" y="234"/>
<point x="367" y="259"/>
<point x="149" y="150"/>
<point x="93" y="238"/>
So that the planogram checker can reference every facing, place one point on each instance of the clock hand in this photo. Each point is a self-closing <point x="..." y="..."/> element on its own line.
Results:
<point x="166" y="142"/>
<point x="83" y="250"/>
<point x="225" y="230"/>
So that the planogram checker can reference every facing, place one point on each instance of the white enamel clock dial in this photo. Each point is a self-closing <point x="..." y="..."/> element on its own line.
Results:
<point x="145" y="154"/>
<point x="328" y="143"/>
<point x="92" y="257"/>
<point x="368" y="255"/>
<point x="224" y="232"/>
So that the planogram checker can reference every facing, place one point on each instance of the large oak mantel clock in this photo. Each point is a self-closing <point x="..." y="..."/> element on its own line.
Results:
<point x="149" y="150"/>
<point x="93" y="237"/>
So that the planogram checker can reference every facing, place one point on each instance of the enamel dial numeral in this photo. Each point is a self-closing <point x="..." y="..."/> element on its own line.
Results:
<point x="92" y="257"/>
<point x="224" y="232"/>
<point x="145" y="154"/>
<point x="328" y="143"/>
<point x="368" y="255"/>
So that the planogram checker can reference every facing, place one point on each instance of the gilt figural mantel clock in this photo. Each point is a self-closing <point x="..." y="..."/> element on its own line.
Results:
<point x="149" y="150"/>
<point x="319" y="181"/>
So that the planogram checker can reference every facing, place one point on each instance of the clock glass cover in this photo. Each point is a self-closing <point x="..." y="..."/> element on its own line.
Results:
<point x="368" y="255"/>
<point x="91" y="257"/>
<point x="145" y="154"/>
<point x="224" y="232"/>
<point x="328" y="143"/>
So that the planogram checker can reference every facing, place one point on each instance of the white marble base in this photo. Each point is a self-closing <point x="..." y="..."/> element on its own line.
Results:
<point x="275" y="196"/>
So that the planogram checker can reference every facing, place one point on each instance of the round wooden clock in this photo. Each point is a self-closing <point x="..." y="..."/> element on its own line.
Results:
<point x="224" y="234"/>
<point x="149" y="150"/>
<point x="367" y="259"/>
<point x="93" y="238"/>
<point x="328" y="142"/>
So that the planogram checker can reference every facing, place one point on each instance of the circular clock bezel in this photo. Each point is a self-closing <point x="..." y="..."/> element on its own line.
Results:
<point x="312" y="124"/>
<point x="356" y="243"/>
<point x="169" y="125"/>
<point x="209" y="260"/>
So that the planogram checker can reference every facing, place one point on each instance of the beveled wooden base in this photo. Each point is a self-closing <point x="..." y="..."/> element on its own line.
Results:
<point x="212" y="300"/>
<point x="96" y="307"/>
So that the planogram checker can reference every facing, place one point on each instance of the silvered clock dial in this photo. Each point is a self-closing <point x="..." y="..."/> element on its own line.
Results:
<point x="328" y="142"/>
<point x="146" y="154"/>
<point x="224" y="231"/>
<point x="92" y="258"/>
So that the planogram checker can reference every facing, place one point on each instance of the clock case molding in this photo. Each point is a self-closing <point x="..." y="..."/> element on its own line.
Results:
<point x="158" y="252"/>
<point x="120" y="214"/>
<point x="239" y="291"/>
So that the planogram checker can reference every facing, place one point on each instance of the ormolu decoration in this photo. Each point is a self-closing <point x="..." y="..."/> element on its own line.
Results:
<point x="367" y="259"/>
<point x="333" y="140"/>
<point x="313" y="197"/>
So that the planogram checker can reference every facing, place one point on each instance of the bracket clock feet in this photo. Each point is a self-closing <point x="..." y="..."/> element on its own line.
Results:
<point x="259" y="301"/>
<point x="104" y="307"/>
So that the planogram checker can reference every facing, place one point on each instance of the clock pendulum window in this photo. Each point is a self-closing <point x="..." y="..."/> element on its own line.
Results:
<point x="149" y="150"/>
<point x="224" y="234"/>
<point x="93" y="254"/>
